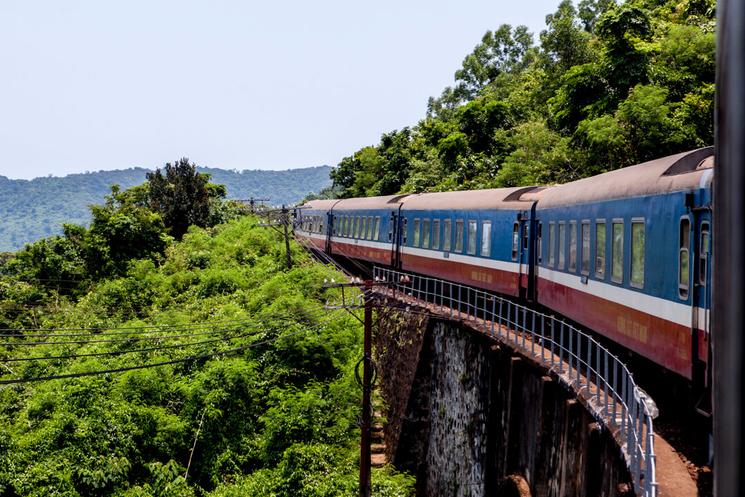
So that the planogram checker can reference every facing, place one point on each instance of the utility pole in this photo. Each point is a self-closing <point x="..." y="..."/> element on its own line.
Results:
<point x="367" y="374"/>
<point x="275" y="219"/>
<point x="365" y="486"/>
<point x="251" y="201"/>
<point x="285" y="225"/>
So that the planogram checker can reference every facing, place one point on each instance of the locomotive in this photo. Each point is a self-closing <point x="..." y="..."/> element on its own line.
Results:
<point x="626" y="254"/>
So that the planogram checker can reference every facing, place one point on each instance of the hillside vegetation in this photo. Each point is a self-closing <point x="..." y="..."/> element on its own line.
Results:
<point x="256" y="392"/>
<point x="606" y="86"/>
<point x="37" y="208"/>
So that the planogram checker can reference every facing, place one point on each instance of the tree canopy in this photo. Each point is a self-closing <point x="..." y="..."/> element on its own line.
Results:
<point x="267" y="404"/>
<point x="607" y="85"/>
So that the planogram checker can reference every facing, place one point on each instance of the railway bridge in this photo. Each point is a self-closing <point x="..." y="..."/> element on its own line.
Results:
<point x="485" y="396"/>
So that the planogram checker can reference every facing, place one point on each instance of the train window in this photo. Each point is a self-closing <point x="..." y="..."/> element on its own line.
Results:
<point x="363" y="227"/>
<point x="349" y="226"/>
<point x="370" y="227"/>
<point x="459" y="235"/>
<point x="472" y="227"/>
<point x="703" y="255"/>
<point x="416" y="233"/>
<point x="486" y="238"/>
<point x="436" y="234"/>
<point x="684" y="258"/>
<point x="515" y="240"/>
<point x="391" y="220"/>
<point x="616" y="269"/>
<point x="446" y="235"/>
<point x="638" y="241"/>
<point x="526" y="229"/>
<point x="551" y="243"/>
<point x="405" y="230"/>
<point x="573" y="246"/>
<point x="585" y="247"/>
<point x="600" y="249"/>
<point x="425" y="233"/>
<point x="562" y="244"/>
<point x="376" y="231"/>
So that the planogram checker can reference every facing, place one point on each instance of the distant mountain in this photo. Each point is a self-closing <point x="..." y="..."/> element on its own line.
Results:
<point x="32" y="209"/>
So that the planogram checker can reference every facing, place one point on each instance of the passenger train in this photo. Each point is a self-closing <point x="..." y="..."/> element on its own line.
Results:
<point x="626" y="253"/>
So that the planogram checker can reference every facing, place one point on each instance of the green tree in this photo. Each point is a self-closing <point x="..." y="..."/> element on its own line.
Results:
<point x="505" y="50"/>
<point x="564" y="43"/>
<point x="625" y="62"/>
<point x="181" y="195"/>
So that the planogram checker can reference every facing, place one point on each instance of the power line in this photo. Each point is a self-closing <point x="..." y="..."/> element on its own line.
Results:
<point x="114" y="340"/>
<point x="162" y="363"/>
<point x="123" y="352"/>
<point x="103" y="329"/>
<point x="134" y="331"/>
<point x="136" y="338"/>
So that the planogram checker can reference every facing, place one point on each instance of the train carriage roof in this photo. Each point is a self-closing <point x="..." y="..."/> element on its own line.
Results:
<point x="494" y="198"/>
<point x="318" y="205"/>
<point x="362" y="203"/>
<point x="679" y="172"/>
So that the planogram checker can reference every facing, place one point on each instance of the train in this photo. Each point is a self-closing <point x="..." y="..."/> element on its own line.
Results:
<point x="626" y="254"/>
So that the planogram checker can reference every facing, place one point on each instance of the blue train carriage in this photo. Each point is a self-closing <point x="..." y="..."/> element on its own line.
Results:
<point x="312" y="223"/>
<point x="478" y="238"/>
<point x="627" y="254"/>
<point x="365" y="228"/>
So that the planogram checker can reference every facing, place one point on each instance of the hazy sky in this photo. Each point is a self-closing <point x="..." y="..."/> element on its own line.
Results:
<point x="89" y="85"/>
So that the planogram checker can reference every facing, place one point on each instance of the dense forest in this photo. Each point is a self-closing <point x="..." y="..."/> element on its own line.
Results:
<point x="254" y="394"/>
<point x="37" y="208"/>
<point x="607" y="85"/>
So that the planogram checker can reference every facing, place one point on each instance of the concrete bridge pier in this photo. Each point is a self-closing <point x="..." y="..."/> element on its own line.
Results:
<point x="470" y="418"/>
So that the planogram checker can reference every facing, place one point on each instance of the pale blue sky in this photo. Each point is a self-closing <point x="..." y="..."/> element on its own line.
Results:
<point x="89" y="85"/>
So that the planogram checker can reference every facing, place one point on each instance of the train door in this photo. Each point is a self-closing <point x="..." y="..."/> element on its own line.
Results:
<point x="330" y="227"/>
<point x="524" y="253"/>
<point x="396" y="236"/>
<point x="701" y="298"/>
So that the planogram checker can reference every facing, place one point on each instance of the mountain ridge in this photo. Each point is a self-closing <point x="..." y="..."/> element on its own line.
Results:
<point x="34" y="208"/>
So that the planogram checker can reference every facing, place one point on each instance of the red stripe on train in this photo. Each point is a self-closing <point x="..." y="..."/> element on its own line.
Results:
<point x="660" y="340"/>
<point x="468" y="274"/>
<point x="354" y="251"/>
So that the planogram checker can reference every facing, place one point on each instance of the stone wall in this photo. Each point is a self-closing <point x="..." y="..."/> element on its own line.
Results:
<point x="475" y="420"/>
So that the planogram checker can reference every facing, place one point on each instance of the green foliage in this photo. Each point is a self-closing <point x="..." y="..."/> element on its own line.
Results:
<point x="277" y="416"/>
<point x="608" y="85"/>
<point x="181" y="196"/>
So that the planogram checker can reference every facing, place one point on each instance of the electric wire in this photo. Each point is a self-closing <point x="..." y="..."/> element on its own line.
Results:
<point x="123" y="352"/>
<point x="134" y="351"/>
<point x="164" y="363"/>
<point x="130" y="339"/>
<point x="103" y="329"/>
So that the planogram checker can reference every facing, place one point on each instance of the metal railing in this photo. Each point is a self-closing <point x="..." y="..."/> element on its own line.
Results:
<point x="576" y="358"/>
